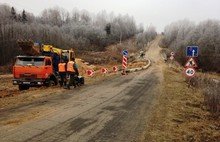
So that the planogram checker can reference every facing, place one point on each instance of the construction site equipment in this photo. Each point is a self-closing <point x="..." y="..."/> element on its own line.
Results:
<point x="31" y="71"/>
<point x="31" y="48"/>
<point x="39" y="64"/>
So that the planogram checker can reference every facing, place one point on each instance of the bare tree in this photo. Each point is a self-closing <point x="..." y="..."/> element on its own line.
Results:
<point x="146" y="36"/>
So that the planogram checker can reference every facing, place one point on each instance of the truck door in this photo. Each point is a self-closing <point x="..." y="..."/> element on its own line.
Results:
<point x="48" y="67"/>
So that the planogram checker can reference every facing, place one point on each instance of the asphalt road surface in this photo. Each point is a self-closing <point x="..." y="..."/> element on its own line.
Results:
<point x="114" y="110"/>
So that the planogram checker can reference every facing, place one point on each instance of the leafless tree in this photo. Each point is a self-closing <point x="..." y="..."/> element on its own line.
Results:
<point x="146" y="36"/>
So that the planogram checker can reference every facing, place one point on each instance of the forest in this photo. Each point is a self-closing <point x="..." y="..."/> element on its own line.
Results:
<point x="205" y="35"/>
<point x="85" y="31"/>
<point x="78" y="29"/>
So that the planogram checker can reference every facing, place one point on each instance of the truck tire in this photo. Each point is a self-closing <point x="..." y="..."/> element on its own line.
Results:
<point x="23" y="87"/>
<point x="50" y="83"/>
<point x="82" y="80"/>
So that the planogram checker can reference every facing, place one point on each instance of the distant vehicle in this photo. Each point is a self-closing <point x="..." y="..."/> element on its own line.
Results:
<point x="142" y="54"/>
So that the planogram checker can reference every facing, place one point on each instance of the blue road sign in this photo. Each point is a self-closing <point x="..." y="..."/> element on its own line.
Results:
<point x="192" y="51"/>
<point x="125" y="52"/>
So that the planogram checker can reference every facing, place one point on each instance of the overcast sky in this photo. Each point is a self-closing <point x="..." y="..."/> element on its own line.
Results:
<point x="156" y="12"/>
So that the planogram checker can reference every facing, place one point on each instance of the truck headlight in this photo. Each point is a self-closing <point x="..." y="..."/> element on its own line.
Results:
<point x="15" y="82"/>
<point x="39" y="83"/>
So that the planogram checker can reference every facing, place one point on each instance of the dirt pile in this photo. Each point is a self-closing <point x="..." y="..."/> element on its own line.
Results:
<point x="137" y="63"/>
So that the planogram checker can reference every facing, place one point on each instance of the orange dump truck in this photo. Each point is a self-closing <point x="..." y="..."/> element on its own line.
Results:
<point x="39" y="65"/>
<point x="30" y="71"/>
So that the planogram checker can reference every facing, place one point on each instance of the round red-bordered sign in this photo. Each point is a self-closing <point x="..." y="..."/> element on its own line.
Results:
<point x="114" y="68"/>
<point x="190" y="72"/>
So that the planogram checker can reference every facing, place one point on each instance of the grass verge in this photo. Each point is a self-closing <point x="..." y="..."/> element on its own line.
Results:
<point x="179" y="114"/>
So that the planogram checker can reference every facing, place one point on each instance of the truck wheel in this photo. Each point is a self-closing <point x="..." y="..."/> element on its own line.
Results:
<point x="23" y="87"/>
<point x="82" y="81"/>
<point x="51" y="83"/>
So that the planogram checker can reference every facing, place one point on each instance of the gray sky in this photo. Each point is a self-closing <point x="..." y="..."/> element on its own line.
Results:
<point x="156" y="12"/>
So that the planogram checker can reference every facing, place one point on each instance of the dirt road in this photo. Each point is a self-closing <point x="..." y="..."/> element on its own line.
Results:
<point x="114" y="110"/>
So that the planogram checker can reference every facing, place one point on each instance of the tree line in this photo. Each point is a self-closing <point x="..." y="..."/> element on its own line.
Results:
<point x="79" y="30"/>
<point x="144" y="37"/>
<point x="205" y="35"/>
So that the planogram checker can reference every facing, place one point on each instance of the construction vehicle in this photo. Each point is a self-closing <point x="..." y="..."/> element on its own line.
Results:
<point x="39" y="65"/>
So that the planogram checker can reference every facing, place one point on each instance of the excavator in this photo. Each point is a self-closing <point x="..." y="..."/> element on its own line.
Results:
<point x="31" y="48"/>
<point x="39" y="64"/>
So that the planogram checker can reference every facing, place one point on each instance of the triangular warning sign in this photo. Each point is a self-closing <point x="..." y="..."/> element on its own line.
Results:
<point x="191" y="63"/>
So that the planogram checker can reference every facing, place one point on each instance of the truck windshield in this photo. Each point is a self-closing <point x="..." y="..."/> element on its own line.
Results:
<point x="30" y="62"/>
<point x="65" y="55"/>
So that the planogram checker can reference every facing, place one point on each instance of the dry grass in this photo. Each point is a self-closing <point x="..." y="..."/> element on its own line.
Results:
<point x="210" y="86"/>
<point x="6" y="69"/>
<point x="179" y="116"/>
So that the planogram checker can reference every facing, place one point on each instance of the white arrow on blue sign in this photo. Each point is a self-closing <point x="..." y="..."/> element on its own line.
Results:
<point x="125" y="52"/>
<point x="192" y="51"/>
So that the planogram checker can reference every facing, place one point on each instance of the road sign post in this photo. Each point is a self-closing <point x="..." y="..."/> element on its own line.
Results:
<point x="104" y="70"/>
<point x="125" y="52"/>
<point x="171" y="57"/>
<point x="190" y="72"/>
<point x="124" y="61"/>
<point x="90" y="72"/>
<point x="172" y="53"/>
<point x="115" y="68"/>
<point x="192" y="51"/>
<point x="191" y="63"/>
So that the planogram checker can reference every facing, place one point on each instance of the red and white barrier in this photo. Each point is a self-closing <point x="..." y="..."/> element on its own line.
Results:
<point x="124" y="62"/>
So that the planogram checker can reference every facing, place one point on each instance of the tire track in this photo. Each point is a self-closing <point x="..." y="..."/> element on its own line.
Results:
<point x="111" y="131"/>
<point x="77" y="120"/>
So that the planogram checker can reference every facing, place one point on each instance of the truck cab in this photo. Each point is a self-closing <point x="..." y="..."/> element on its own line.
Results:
<point x="32" y="71"/>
